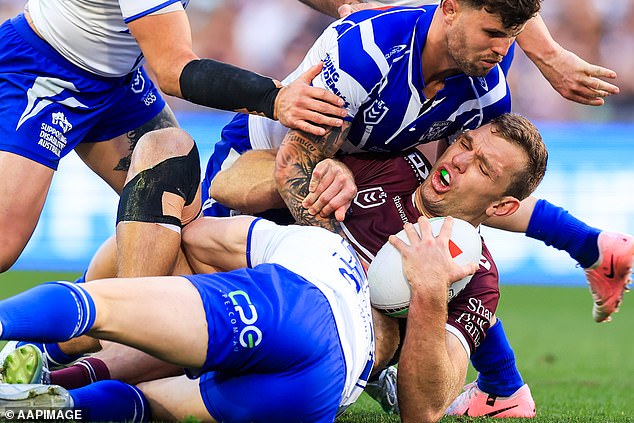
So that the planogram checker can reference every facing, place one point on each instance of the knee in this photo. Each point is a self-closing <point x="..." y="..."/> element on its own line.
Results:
<point x="167" y="191"/>
<point x="9" y="253"/>
<point x="7" y="261"/>
<point x="157" y="146"/>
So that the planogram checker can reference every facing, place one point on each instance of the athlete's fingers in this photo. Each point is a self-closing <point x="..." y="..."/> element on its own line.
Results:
<point x="331" y="189"/>
<point x="309" y="121"/>
<point x="301" y="106"/>
<point x="445" y="231"/>
<point x="336" y="197"/>
<point x="322" y="177"/>
<point x="324" y="102"/>
<point x="347" y="9"/>
<point x="340" y="213"/>
<point x="320" y="180"/>
<point x="601" y="72"/>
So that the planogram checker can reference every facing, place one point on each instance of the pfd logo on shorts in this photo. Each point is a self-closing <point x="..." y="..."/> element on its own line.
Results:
<point x="52" y="138"/>
<point x="60" y="120"/>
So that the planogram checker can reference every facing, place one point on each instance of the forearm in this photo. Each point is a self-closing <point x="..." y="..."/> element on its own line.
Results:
<point x="516" y="222"/>
<point x="296" y="159"/>
<point x="248" y="185"/>
<point x="427" y="378"/>
<point x="223" y="86"/>
<point x="537" y="42"/>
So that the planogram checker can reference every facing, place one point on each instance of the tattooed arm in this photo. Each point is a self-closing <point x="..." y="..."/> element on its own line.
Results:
<point x="297" y="157"/>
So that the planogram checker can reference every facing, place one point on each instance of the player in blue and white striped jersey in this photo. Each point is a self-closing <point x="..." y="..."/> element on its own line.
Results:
<point x="408" y="78"/>
<point x="71" y="78"/>
<point x="570" y="75"/>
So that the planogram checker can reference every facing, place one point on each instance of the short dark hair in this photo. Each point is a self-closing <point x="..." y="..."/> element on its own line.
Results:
<point x="513" y="13"/>
<point x="518" y="130"/>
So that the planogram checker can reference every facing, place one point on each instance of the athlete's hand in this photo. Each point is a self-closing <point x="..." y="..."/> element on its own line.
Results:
<point x="427" y="262"/>
<point x="346" y="9"/>
<point x="578" y="80"/>
<point x="303" y="107"/>
<point x="331" y="190"/>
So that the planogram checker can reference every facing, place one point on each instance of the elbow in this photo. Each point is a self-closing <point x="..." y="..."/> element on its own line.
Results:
<point x="280" y="173"/>
<point x="168" y="79"/>
<point x="168" y="85"/>
<point x="217" y="190"/>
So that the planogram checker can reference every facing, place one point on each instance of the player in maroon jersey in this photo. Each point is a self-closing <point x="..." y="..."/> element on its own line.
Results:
<point x="467" y="181"/>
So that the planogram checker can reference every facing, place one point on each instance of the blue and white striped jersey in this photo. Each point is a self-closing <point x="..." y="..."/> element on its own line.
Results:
<point x="93" y="34"/>
<point x="372" y="59"/>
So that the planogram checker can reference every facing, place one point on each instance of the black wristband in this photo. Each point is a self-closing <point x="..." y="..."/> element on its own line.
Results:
<point x="227" y="87"/>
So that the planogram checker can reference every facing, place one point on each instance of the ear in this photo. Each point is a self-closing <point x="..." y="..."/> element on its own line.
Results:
<point x="449" y="9"/>
<point x="504" y="207"/>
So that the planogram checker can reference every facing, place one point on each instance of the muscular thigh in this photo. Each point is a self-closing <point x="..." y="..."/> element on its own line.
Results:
<point x="24" y="185"/>
<point x="111" y="159"/>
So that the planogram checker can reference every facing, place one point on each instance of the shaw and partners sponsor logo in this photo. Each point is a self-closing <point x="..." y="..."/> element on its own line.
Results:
<point x="243" y="315"/>
<point x="331" y="77"/>
<point x="399" y="208"/>
<point x="476" y="320"/>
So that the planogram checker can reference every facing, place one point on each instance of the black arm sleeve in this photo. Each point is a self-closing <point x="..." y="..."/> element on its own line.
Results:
<point x="227" y="87"/>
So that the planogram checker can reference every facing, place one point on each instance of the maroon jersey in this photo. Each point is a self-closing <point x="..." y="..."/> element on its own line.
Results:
<point x="384" y="202"/>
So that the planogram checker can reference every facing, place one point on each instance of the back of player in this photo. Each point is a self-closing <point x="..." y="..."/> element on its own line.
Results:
<point x="297" y="321"/>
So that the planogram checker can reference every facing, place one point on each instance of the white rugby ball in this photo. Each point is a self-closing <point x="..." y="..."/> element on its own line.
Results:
<point x="389" y="289"/>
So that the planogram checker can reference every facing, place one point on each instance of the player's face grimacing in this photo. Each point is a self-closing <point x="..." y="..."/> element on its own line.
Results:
<point x="471" y="178"/>
<point x="477" y="41"/>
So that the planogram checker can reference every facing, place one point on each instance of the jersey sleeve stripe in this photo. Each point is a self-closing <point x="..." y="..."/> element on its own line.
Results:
<point x="493" y="96"/>
<point x="150" y="11"/>
<point x="370" y="46"/>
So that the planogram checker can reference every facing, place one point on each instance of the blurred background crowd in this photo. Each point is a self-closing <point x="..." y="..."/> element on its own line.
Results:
<point x="271" y="37"/>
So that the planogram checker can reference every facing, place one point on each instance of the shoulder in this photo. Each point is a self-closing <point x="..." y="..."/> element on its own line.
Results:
<point x="393" y="22"/>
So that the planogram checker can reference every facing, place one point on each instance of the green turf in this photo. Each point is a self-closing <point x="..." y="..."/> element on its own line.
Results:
<point x="578" y="370"/>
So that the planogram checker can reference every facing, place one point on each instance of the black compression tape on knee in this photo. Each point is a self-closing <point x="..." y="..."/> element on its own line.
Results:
<point x="227" y="87"/>
<point x="142" y="198"/>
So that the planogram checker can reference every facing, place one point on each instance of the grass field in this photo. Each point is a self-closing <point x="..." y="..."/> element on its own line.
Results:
<point x="578" y="370"/>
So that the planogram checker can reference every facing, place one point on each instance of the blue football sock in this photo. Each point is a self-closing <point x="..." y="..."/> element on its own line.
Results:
<point x="495" y="361"/>
<point x="555" y="226"/>
<point x="111" y="401"/>
<point x="54" y="355"/>
<point x="82" y="278"/>
<point x="57" y="357"/>
<point x="51" y="312"/>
